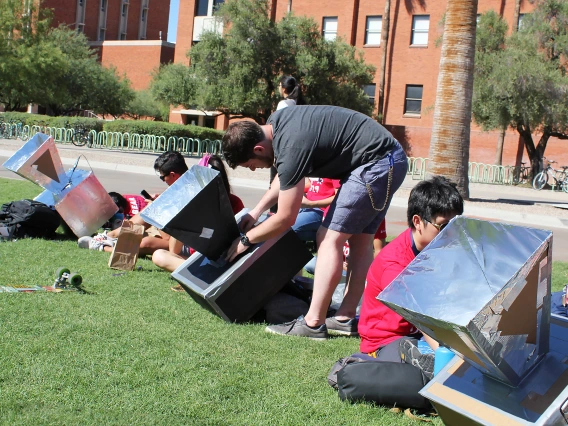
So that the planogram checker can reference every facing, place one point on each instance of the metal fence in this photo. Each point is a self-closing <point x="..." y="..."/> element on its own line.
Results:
<point x="417" y="166"/>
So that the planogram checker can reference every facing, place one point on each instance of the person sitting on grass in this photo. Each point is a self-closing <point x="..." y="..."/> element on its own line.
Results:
<point x="432" y="204"/>
<point x="170" y="166"/>
<point x="177" y="252"/>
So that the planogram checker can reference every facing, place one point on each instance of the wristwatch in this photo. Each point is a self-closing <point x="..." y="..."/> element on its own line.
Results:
<point x="245" y="241"/>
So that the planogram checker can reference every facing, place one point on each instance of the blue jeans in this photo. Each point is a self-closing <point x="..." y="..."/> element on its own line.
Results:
<point x="308" y="223"/>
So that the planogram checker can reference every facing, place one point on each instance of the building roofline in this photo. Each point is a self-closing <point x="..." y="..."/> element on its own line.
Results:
<point x="131" y="43"/>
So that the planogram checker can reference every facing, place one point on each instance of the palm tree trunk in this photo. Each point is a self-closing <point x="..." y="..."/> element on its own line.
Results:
<point x="384" y="41"/>
<point x="449" y="145"/>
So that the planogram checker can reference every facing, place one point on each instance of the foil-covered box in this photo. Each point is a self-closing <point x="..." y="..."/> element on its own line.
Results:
<point x="196" y="210"/>
<point x="77" y="195"/>
<point x="236" y="291"/>
<point x="483" y="289"/>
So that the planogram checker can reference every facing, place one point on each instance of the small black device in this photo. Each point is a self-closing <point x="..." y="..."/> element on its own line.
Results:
<point x="145" y="194"/>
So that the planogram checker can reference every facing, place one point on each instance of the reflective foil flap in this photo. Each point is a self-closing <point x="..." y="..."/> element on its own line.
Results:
<point x="196" y="210"/>
<point x="84" y="205"/>
<point x="483" y="289"/>
<point x="39" y="161"/>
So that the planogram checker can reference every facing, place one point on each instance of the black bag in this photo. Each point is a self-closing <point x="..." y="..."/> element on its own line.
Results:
<point x="28" y="218"/>
<point x="385" y="383"/>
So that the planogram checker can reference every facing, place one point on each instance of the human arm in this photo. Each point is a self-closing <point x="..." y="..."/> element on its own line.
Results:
<point x="289" y="202"/>
<point x="268" y="200"/>
<point x="317" y="203"/>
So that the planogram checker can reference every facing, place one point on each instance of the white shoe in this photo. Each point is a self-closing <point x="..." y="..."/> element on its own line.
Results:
<point x="99" y="241"/>
<point x="84" y="242"/>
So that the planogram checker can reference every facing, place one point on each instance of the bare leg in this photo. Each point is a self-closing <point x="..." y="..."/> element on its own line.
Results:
<point x="378" y="245"/>
<point x="150" y="244"/>
<point x="360" y="259"/>
<point x="167" y="260"/>
<point x="328" y="272"/>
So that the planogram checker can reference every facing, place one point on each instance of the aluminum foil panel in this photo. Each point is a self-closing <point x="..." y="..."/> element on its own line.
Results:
<point x="84" y="204"/>
<point x="483" y="289"/>
<point x="196" y="210"/>
<point x="39" y="161"/>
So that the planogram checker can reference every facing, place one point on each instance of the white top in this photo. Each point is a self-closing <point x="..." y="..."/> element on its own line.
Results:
<point x="285" y="103"/>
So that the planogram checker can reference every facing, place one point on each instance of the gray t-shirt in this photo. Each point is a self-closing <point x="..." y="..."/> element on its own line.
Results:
<point x="325" y="141"/>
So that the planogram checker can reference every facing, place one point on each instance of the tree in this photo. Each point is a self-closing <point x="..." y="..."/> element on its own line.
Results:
<point x="29" y="63"/>
<point x="490" y="112"/>
<point x="237" y="72"/>
<point x="528" y="81"/>
<point x="449" y="145"/>
<point x="145" y="105"/>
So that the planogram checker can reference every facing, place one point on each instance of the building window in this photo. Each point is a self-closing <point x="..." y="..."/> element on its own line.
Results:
<point x="102" y="20"/>
<point x="143" y="20"/>
<point x="80" y="15"/>
<point x="373" y="30"/>
<point x="217" y="4"/>
<point x="329" y="28"/>
<point x="520" y="22"/>
<point x="420" y="26"/>
<point x="123" y="20"/>
<point x="201" y="6"/>
<point x="370" y="90"/>
<point x="413" y="101"/>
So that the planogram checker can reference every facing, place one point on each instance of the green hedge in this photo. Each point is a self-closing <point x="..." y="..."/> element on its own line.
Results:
<point x="46" y="120"/>
<point x="160" y="128"/>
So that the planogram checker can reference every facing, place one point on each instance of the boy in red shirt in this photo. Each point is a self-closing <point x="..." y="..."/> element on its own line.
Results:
<point x="432" y="204"/>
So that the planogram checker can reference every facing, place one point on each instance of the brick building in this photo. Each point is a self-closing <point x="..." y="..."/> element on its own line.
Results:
<point x="127" y="34"/>
<point x="412" y="62"/>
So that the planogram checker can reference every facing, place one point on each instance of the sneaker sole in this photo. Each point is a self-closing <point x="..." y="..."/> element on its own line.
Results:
<point x="342" y="333"/>
<point x="316" y="339"/>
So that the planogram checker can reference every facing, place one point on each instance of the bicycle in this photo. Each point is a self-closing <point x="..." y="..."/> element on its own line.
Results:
<point x="521" y="174"/>
<point x="558" y="176"/>
<point x="81" y="137"/>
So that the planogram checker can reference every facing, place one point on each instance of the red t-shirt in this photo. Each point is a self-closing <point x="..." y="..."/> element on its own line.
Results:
<point x="322" y="188"/>
<point x="136" y="204"/>
<point x="236" y="203"/>
<point x="378" y="324"/>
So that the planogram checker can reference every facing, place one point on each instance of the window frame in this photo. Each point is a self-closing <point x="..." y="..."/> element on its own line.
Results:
<point x="367" y="31"/>
<point x="324" y="31"/>
<point x="415" y="31"/>
<point x="408" y="99"/>
<point x="373" y="98"/>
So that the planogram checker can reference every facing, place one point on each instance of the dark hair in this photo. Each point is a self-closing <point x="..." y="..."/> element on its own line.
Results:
<point x="433" y="197"/>
<point x="292" y="89"/>
<point x="239" y="141"/>
<point x="216" y="163"/>
<point x="170" y="161"/>
<point x="119" y="200"/>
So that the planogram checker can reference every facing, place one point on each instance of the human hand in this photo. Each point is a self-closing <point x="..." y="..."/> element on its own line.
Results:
<point x="236" y="248"/>
<point x="247" y="222"/>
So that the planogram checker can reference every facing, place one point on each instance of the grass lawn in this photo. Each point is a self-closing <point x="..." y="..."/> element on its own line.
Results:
<point x="130" y="351"/>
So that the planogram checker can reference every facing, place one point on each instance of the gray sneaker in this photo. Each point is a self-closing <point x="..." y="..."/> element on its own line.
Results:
<point x="298" y="327"/>
<point x="342" y="328"/>
<point x="410" y="354"/>
<point x="84" y="242"/>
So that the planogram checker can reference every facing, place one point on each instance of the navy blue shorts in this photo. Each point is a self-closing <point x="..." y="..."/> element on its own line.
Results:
<point x="361" y="203"/>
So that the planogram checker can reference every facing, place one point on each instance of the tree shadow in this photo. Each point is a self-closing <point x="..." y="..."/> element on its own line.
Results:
<point x="411" y="5"/>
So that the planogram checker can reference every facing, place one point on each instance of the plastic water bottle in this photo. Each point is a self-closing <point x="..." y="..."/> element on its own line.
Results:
<point x="442" y="356"/>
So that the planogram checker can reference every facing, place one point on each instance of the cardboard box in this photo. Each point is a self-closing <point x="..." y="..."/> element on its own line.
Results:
<point x="464" y="396"/>
<point x="196" y="211"/>
<point x="236" y="291"/>
<point x="483" y="289"/>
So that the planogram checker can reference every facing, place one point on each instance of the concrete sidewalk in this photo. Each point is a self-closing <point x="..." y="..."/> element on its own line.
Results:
<point x="503" y="203"/>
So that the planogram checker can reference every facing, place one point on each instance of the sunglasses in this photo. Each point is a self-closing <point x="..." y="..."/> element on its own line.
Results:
<point x="163" y="177"/>
<point x="438" y="227"/>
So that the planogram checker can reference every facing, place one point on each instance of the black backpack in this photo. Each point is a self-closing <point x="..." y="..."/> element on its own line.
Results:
<point x="28" y="218"/>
